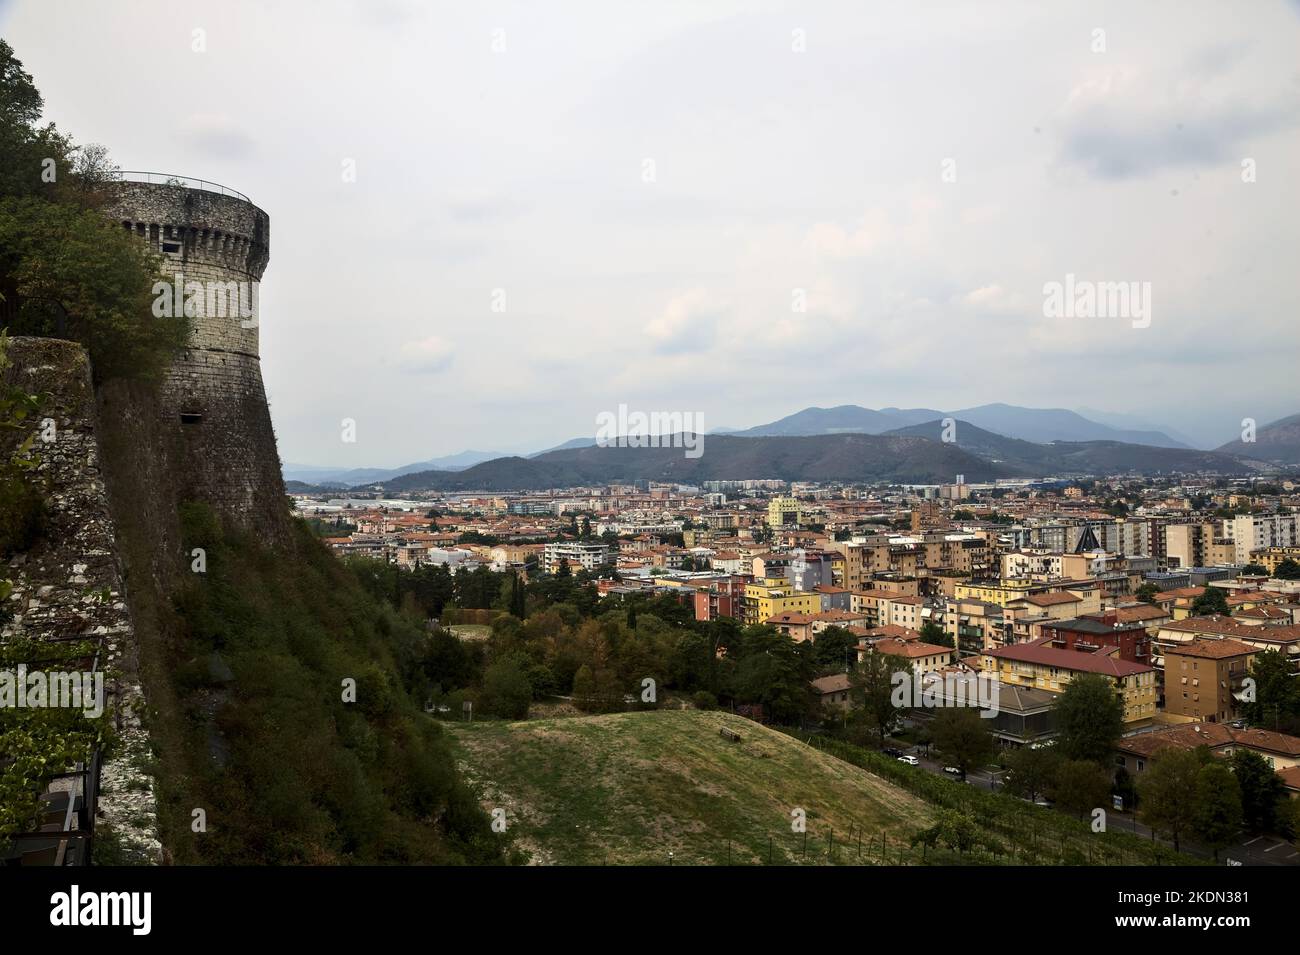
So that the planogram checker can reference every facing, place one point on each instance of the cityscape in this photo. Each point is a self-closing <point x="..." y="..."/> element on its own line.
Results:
<point x="654" y="440"/>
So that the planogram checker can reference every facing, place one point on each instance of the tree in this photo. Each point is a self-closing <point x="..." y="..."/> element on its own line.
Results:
<point x="1213" y="600"/>
<point x="1089" y="718"/>
<point x="1167" y="792"/>
<point x="506" y="690"/>
<point x="772" y="670"/>
<point x="931" y="632"/>
<point x="1277" y="693"/>
<point x="962" y="737"/>
<point x="1287" y="570"/>
<point x="1218" y="806"/>
<point x="1031" y="771"/>
<point x="1261" y="790"/>
<point x="1080" y="786"/>
<point x="66" y="271"/>
<point x="1147" y="593"/>
<point x="871" y="690"/>
<point x="835" y="648"/>
<point x="1254" y="570"/>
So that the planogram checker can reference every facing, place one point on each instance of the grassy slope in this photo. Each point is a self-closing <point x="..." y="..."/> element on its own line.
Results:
<point x="627" y="788"/>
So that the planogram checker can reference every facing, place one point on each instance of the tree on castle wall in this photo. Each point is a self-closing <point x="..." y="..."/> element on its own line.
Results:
<point x="66" y="271"/>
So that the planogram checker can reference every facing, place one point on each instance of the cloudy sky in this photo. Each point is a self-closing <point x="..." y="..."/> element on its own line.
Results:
<point x="733" y="208"/>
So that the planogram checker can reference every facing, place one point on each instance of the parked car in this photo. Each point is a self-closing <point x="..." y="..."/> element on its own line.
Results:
<point x="910" y="760"/>
<point x="952" y="770"/>
<point x="893" y="751"/>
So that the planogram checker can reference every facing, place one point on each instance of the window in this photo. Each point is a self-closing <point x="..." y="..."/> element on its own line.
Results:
<point x="191" y="417"/>
<point x="173" y="248"/>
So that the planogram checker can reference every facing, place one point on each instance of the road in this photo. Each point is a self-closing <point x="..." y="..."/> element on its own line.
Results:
<point x="1255" y="850"/>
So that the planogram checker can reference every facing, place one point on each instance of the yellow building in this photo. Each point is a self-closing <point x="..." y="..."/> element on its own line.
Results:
<point x="783" y="512"/>
<point x="1272" y="556"/>
<point x="1000" y="593"/>
<point x="1045" y="667"/>
<point x="771" y="596"/>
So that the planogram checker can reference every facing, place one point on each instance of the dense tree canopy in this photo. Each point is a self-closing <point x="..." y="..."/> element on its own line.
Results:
<point x="66" y="271"/>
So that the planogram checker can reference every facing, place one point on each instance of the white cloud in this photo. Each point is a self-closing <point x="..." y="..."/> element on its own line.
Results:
<point x="427" y="355"/>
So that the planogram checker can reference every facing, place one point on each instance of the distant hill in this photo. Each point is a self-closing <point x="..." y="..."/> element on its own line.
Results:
<point x="351" y="477"/>
<point x="1076" y="457"/>
<point x="571" y="443"/>
<point x="1137" y="423"/>
<point x="1039" y="425"/>
<point x="1028" y="424"/>
<point x="844" y="419"/>
<point x="1055" y="424"/>
<point x="1277" y="443"/>
<point x="847" y="457"/>
<point x="912" y="455"/>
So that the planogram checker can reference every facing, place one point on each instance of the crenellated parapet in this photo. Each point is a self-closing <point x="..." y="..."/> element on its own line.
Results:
<point x="215" y="242"/>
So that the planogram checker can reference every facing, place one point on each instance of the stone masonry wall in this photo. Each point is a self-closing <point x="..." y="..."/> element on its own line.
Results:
<point x="213" y="399"/>
<point x="71" y="583"/>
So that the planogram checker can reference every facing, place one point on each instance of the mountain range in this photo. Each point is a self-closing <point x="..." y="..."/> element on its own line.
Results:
<point x="994" y="440"/>
<point x="1275" y="443"/>
<point x="913" y="455"/>
<point x="1029" y="424"/>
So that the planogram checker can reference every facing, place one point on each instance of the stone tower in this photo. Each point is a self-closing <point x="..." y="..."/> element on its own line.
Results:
<point x="215" y="242"/>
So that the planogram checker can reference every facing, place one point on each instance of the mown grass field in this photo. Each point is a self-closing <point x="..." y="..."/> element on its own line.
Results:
<point x="471" y="631"/>
<point x="629" y="788"/>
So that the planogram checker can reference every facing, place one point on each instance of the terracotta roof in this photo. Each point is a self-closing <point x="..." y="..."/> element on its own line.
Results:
<point x="833" y="615"/>
<point x="1267" y="739"/>
<point x="835" y="683"/>
<point x="912" y="649"/>
<point x="1214" y="735"/>
<point x="1188" y="736"/>
<point x="1263" y="613"/>
<point x="1227" y="627"/>
<point x="1208" y="649"/>
<point x="1051" y="600"/>
<point x="1139" y="612"/>
<point x="791" y="619"/>
<point x="1178" y="592"/>
<point x="892" y="630"/>
<point x="1290" y="777"/>
<point x="1041" y="653"/>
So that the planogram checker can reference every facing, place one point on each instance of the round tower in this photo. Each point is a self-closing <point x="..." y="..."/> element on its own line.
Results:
<point x="215" y="245"/>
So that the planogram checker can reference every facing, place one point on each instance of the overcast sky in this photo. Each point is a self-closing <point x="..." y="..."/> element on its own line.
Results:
<point x="790" y="147"/>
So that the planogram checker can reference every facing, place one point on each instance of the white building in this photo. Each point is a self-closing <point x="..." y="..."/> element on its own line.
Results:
<point x="1251" y="532"/>
<point x="579" y="554"/>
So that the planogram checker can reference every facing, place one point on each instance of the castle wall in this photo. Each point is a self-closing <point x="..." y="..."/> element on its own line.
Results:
<point x="70" y="584"/>
<point x="213" y="402"/>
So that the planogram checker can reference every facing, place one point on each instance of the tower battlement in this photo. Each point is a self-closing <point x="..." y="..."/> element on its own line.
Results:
<point x="213" y="398"/>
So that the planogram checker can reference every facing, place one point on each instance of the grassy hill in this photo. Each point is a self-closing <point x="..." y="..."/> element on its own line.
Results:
<point x="628" y="788"/>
